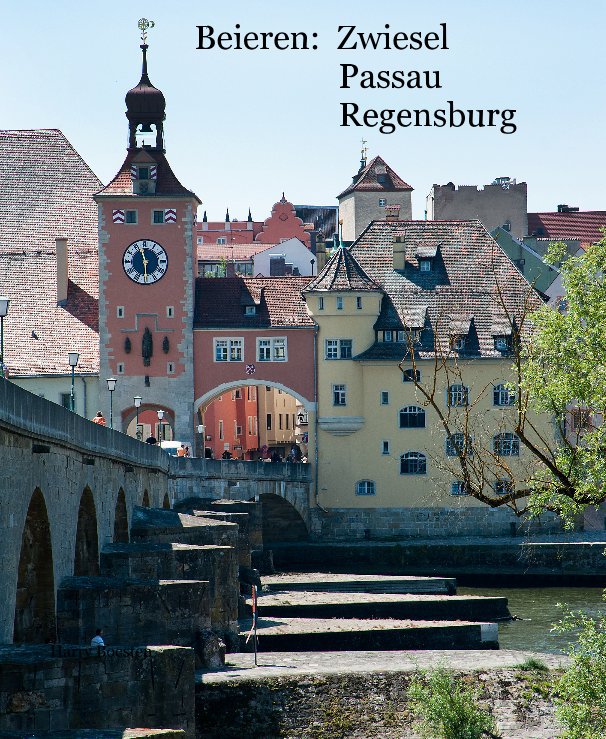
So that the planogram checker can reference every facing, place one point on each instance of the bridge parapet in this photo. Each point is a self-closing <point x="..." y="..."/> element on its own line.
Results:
<point x="235" y="469"/>
<point x="44" y="421"/>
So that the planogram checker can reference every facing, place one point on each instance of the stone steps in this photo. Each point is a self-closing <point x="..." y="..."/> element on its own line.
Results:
<point x="350" y="583"/>
<point x="334" y="635"/>
<point x="381" y="606"/>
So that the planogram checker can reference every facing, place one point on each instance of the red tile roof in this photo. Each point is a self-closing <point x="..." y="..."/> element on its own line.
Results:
<point x="469" y="278"/>
<point x="377" y="176"/>
<point x="583" y="226"/>
<point x="220" y="302"/>
<point x="217" y="252"/>
<point x="166" y="183"/>
<point x="46" y="192"/>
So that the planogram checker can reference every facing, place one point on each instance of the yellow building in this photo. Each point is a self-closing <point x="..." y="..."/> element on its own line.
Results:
<point x="443" y="296"/>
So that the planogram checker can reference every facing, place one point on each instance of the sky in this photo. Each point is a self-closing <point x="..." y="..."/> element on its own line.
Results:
<point x="244" y="126"/>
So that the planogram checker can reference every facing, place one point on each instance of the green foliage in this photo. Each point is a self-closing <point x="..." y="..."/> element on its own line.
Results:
<point x="580" y="694"/>
<point x="564" y="365"/>
<point x="532" y="664"/>
<point x="448" y="709"/>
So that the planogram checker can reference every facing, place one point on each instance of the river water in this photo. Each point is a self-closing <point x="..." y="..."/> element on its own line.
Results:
<point x="539" y="611"/>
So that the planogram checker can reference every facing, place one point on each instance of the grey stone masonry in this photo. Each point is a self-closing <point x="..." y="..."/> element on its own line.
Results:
<point x="241" y="519"/>
<point x="132" y="611"/>
<point x="160" y="525"/>
<point x="62" y="687"/>
<point x="395" y="523"/>
<point x="217" y="564"/>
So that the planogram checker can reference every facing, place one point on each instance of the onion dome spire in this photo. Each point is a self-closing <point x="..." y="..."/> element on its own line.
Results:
<point x="145" y="104"/>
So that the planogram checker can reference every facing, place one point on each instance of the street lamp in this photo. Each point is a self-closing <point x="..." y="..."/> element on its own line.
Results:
<point x="137" y="400"/>
<point x="111" y="386"/>
<point x="4" y="302"/>
<point x="160" y="417"/>
<point x="201" y="430"/>
<point x="73" y="359"/>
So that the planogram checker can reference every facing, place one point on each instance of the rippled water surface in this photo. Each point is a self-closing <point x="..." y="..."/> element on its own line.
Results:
<point x="537" y="606"/>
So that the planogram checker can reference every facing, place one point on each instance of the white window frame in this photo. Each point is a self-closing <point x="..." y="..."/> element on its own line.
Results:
<point x="126" y="216"/>
<point x="457" y="396"/>
<point x="221" y="241"/>
<point x="384" y="397"/>
<point x="412" y="411"/>
<point x="232" y="345"/>
<point x="382" y="202"/>
<point x="420" y="461"/>
<point x="454" y="447"/>
<point x="250" y="310"/>
<point x="119" y="311"/>
<point x="457" y="487"/>
<point x="339" y="395"/>
<point x="506" y="444"/>
<point x="170" y="311"/>
<point x="272" y="349"/>
<point x="339" y="302"/>
<point x="366" y="487"/>
<point x="425" y="265"/>
<point x="502" y="343"/>
<point x="336" y="348"/>
<point x="502" y="396"/>
<point x="388" y="336"/>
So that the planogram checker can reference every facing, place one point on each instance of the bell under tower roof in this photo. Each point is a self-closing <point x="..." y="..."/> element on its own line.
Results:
<point x="145" y="104"/>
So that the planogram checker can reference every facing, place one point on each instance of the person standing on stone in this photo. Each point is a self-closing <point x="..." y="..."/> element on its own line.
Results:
<point x="97" y="640"/>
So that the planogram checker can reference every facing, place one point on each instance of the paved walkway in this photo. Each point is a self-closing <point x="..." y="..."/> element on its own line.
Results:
<point x="240" y="666"/>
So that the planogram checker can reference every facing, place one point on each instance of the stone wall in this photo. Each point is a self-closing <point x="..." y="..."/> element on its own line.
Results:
<point x="132" y="611"/>
<point x="371" y="704"/>
<point x="56" y="687"/>
<point x="391" y="523"/>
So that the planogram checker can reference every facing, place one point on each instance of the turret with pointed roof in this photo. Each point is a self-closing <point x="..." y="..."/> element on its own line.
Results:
<point x="377" y="193"/>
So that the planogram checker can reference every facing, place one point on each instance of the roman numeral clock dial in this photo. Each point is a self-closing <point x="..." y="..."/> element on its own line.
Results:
<point x="145" y="262"/>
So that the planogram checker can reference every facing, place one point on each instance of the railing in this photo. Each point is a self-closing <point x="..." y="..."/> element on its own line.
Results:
<point x="239" y="469"/>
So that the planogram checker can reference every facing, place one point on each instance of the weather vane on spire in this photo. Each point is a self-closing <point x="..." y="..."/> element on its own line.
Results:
<point x="364" y="152"/>
<point x="143" y="25"/>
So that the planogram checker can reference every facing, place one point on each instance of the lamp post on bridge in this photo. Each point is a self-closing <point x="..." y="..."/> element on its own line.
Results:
<point x="160" y="417"/>
<point x="111" y="386"/>
<point x="73" y="358"/>
<point x="137" y="400"/>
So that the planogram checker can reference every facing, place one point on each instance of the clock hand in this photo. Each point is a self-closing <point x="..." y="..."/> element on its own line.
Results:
<point x="145" y="263"/>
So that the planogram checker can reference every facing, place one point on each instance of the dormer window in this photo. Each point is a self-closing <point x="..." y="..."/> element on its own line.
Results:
<point x="143" y="173"/>
<point x="502" y="344"/>
<point x="250" y="310"/>
<point x="425" y="265"/>
<point x="458" y="343"/>
<point x="387" y="336"/>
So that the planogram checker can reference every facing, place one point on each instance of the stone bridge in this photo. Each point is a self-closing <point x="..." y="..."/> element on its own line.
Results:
<point x="68" y="487"/>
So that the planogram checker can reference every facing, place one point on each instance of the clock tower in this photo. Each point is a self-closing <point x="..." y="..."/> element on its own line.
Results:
<point x="147" y="271"/>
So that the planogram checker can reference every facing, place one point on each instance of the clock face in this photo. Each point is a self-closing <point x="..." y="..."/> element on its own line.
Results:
<point x="145" y="262"/>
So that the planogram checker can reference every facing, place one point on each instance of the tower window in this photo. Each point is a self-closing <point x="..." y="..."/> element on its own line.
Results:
<point x="158" y="216"/>
<point x="131" y="216"/>
<point x="120" y="311"/>
<point x="120" y="368"/>
<point x="170" y="368"/>
<point x="143" y="173"/>
<point x="170" y="311"/>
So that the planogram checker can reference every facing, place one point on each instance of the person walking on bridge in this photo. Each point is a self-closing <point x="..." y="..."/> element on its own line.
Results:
<point x="99" y="418"/>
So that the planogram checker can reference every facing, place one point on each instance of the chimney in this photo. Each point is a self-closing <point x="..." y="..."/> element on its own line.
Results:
<point x="62" y="271"/>
<point x="392" y="212"/>
<point x="399" y="253"/>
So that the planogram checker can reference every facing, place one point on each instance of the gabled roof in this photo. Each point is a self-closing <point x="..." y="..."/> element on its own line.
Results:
<point x="583" y="226"/>
<point x="377" y="176"/>
<point x="342" y="273"/>
<point x="166" y="183"/>
<point x="239" y="252"/>
<point x="46" y="192"/>
<point x="463" y="294"/>
<point x="220" y="302"/>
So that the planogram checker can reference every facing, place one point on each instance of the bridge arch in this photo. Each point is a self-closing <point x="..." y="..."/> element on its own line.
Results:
<point x="213" y="394"/>
<point x="121" y="519"/>
<point x="281" y="520"/>
<point x="35" y="615"/>
<point x="86" y="555"/>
